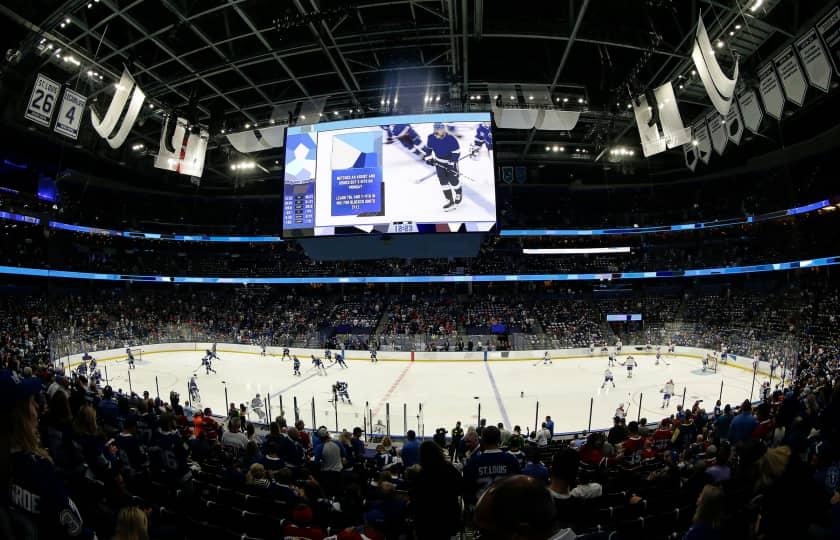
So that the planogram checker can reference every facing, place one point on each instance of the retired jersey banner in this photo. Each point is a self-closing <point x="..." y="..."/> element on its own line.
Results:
<point x="42" y="101"/>
<point x="691" y="159"/>
<point x="673" y="130"/>
<point x="771" y="90"/>
<point x="717" y="131"/>
<point x="70" y="114"/>
<point x="829" y="29"/>
<point x="734" y="123"/>
<point x="751" y="111"/>
<point x="815" y="60"/>
<point x="718" y="86"/>
<point x="791" y="75"/>
<point x="704" y="144"/>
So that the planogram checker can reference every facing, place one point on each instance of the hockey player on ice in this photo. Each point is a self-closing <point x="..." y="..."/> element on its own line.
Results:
<point x="341" y="392"/>
<point x="327" y="355"/>
<point x="257" y="407"/>
<point x="373" y="356"/>
<point x="339" y="359"/>
<point x="611" y="360"/>
<point x="608" y="378"/>
<point x="444" y="152"/>
<point x="546" y="358"/>
<point x="630" y="363"/>
<point x="620" y="412"/>
<point x="296" y="366"/>
<point x="130" y="356"/>
<point x="194" y="395"/>
<point x="212" y="352"/>
<point x="319" y="365"/>
<point x="618" y="347"/>
<point x="705" y="362"/>
<point x="407" y="137"/>
<point x="667" y="392"/>
<point x="592" y="349"/>
<point x="483" y="138"/>
<point x="286" y="354"/>
<point x="207" y="363"/>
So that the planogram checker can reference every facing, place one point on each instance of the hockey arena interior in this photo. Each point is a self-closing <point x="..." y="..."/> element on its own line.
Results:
<point x="420" y="270"/>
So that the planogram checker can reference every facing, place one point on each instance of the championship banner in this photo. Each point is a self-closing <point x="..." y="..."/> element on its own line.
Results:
<point x="704" y="144"/>
<point x="718" y="86"/>
<point x="791" y="75"/>
<point x="190" y="149"/>
<point x="734" y="123"/>
<point x="751" y="111"/>
<point x="690" y="152"/>
<point x="717" y="131"/>
<point x="70" y="114"/>
<point x="829" y="29"/>
<point x="104" y="127"/>
<point x="652" y="142"/>
<point x="771" y="90"/>
<point x="673" y="130"/>
<point x="42" y="101"/>
<point x="815" y="60"/>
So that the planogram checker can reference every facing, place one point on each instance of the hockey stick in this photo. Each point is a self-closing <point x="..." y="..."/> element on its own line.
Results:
<point x="434" y="172"/>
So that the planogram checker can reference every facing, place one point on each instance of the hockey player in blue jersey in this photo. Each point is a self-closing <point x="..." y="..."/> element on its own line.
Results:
<point x="193" y="387"/>
<point x="286" y="354"/>
<point x="296" y="366"/>
<point x="444" y="152"/>
<point x="339" y="359"/>
<point x="341" y="392"/>
<point x="407" y="137"/>
<point x="483" y="137"/>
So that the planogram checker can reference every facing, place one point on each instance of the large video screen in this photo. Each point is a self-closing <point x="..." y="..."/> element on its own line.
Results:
<point x="396" y="174"/>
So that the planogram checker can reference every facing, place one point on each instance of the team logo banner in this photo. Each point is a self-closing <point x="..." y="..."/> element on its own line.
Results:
<point x="771" y="90"/>
<point x="70" y="114"/>
<point x="815" y="60"/>
<point x="41" y="104"/>
<point x="190" y="149"/>
<point x="125" y="88"/>
<point x="791" y="75"/>
<point x="718" y="86"/>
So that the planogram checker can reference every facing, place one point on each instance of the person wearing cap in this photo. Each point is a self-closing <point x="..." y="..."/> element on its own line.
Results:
<point x="300" y="525"/>
<point x="488" y="465"/>
<point x="443" y="151"/>
<point x="743" y="425"/>
<point x="35" y="491"/>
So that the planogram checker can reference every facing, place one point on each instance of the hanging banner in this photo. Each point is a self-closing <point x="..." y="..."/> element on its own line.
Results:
<point x="734" y="123"/>
<point x="104" y="127"/>
<point x="829" y="29"/>
<point x="717" y="131"/>
<point x="718" y="86"/>
<point x="255" y="140"/>
<point x="704" y="144"/>
<point x="751" y="111"/>
<point x="190" y="149"/>
<point x="690" y="151"/>
<point x="515" y="118"/>
<point x="552" y="120"/>
<point x="652" y="142"/>
<point x="42" y="101"/>
<point x="673" y="130"/>
<point x="70" y="114"/>
<point x="771" y="90"/>
<point x="791" y="75"/>
<point x="815" y="60"/>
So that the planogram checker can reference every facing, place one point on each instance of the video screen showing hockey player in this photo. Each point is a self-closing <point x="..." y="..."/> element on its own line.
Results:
<point x="396" y="175"/>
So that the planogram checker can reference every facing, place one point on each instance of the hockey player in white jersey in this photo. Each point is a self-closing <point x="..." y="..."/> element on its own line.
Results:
<point x="130" y="356"/>
<point x="546" y="358"/>
<point x="195" y="397"/>
<point x="630" y="363"/>
<point x="667" y="392"/>
<point x="608" y="378"/>
<point x="611" y="360"/>
<point x="618" y="347"/>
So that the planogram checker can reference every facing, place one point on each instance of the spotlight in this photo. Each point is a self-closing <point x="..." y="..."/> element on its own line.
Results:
<point x="247" y="126"/>
<point x="757" y="5"/>
<point x="555" y="148"/>
<point x="151" y="105"/>
<point x="580" y="100"/>
<point x="731" y="33"/>
<point x="562" y="148"/>
<point x="720" y="44"/>
<point x="565" y="100"/>
<point x="67" y="20"/>
<point x="694" y="72"/>
<point x="63" y="25"/>
<point x="694" y="142"/>
<point x="547" y="148"/>
<point x="737" y="27"/>
<point x="531" y="98"/>
<point x="629" y="105"/>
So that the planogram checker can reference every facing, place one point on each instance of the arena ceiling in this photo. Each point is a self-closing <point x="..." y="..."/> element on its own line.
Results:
<point x="235" y="62"/>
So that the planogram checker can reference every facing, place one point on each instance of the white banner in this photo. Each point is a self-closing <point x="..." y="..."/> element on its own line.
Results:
<point x="552" y="120"/>
<point x="704" y="145"/>
<point x="751" y="111"/>
<point x="717" y="131"/>
<point x="42" y="100"/>
<point x="70" y="114"/>
<point x="791" y="75"/>
<point x="771" y="90"/>
<point x="815" y="60"/>
<point x="515" y="118"/>
<point x="652" y="141"/>
<point x="673" y="129"/>
<point x="105" y="126"/>
<point x="734" y="123"/>
<point x="190" y="149"/>
<point x="718" y="86"/>
<point x="255" y="140"/>
<point x="690" y="156"/>
<point x="829" y="29"/>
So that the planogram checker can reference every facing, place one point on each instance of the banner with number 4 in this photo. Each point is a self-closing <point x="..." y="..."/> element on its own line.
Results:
<point x="42" y="101"/>
<point x="70" y="115"/>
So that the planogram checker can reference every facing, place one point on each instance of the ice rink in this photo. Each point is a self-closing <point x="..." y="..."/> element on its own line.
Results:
<point x="425" y="395"/>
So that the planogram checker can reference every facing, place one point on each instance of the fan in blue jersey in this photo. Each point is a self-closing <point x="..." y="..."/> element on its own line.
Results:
<point x="483" y="137"/>
<point x="169" y="453"/>
<point x="407" y="137"/>
<point x="488" y="465"/>
<point x="444" y="152"/>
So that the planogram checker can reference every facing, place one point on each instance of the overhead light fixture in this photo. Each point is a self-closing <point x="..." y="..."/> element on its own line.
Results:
<point x="271" y="121"/>
<point x="565" y="100"/>
<point x="303" y="117"/>
<point x="335" y="113"/>
<point x="437" y="98"/>
<point x="531" y="98"/>
<point x="562" y="148"/>
<point x="512" y="97"/>
<point x="720" y="44"/>
<point x="695" y="143"/>
<point x="694" y="72"/>
<point x="732" y="33"/>
<point x="547" y="148"/>
<point x="681" y="87"/>
<point x="737" y="27"/>
<point x="63" y="25"/>
<point x="629" y="105"/>
<point x="555" y="148"/>
<point x="580" y="100"/>
<point x="247" y="126"/>
<point x="223" y="131"/>
<point x="151" y="105"/>
<point x="756" y="5"/>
